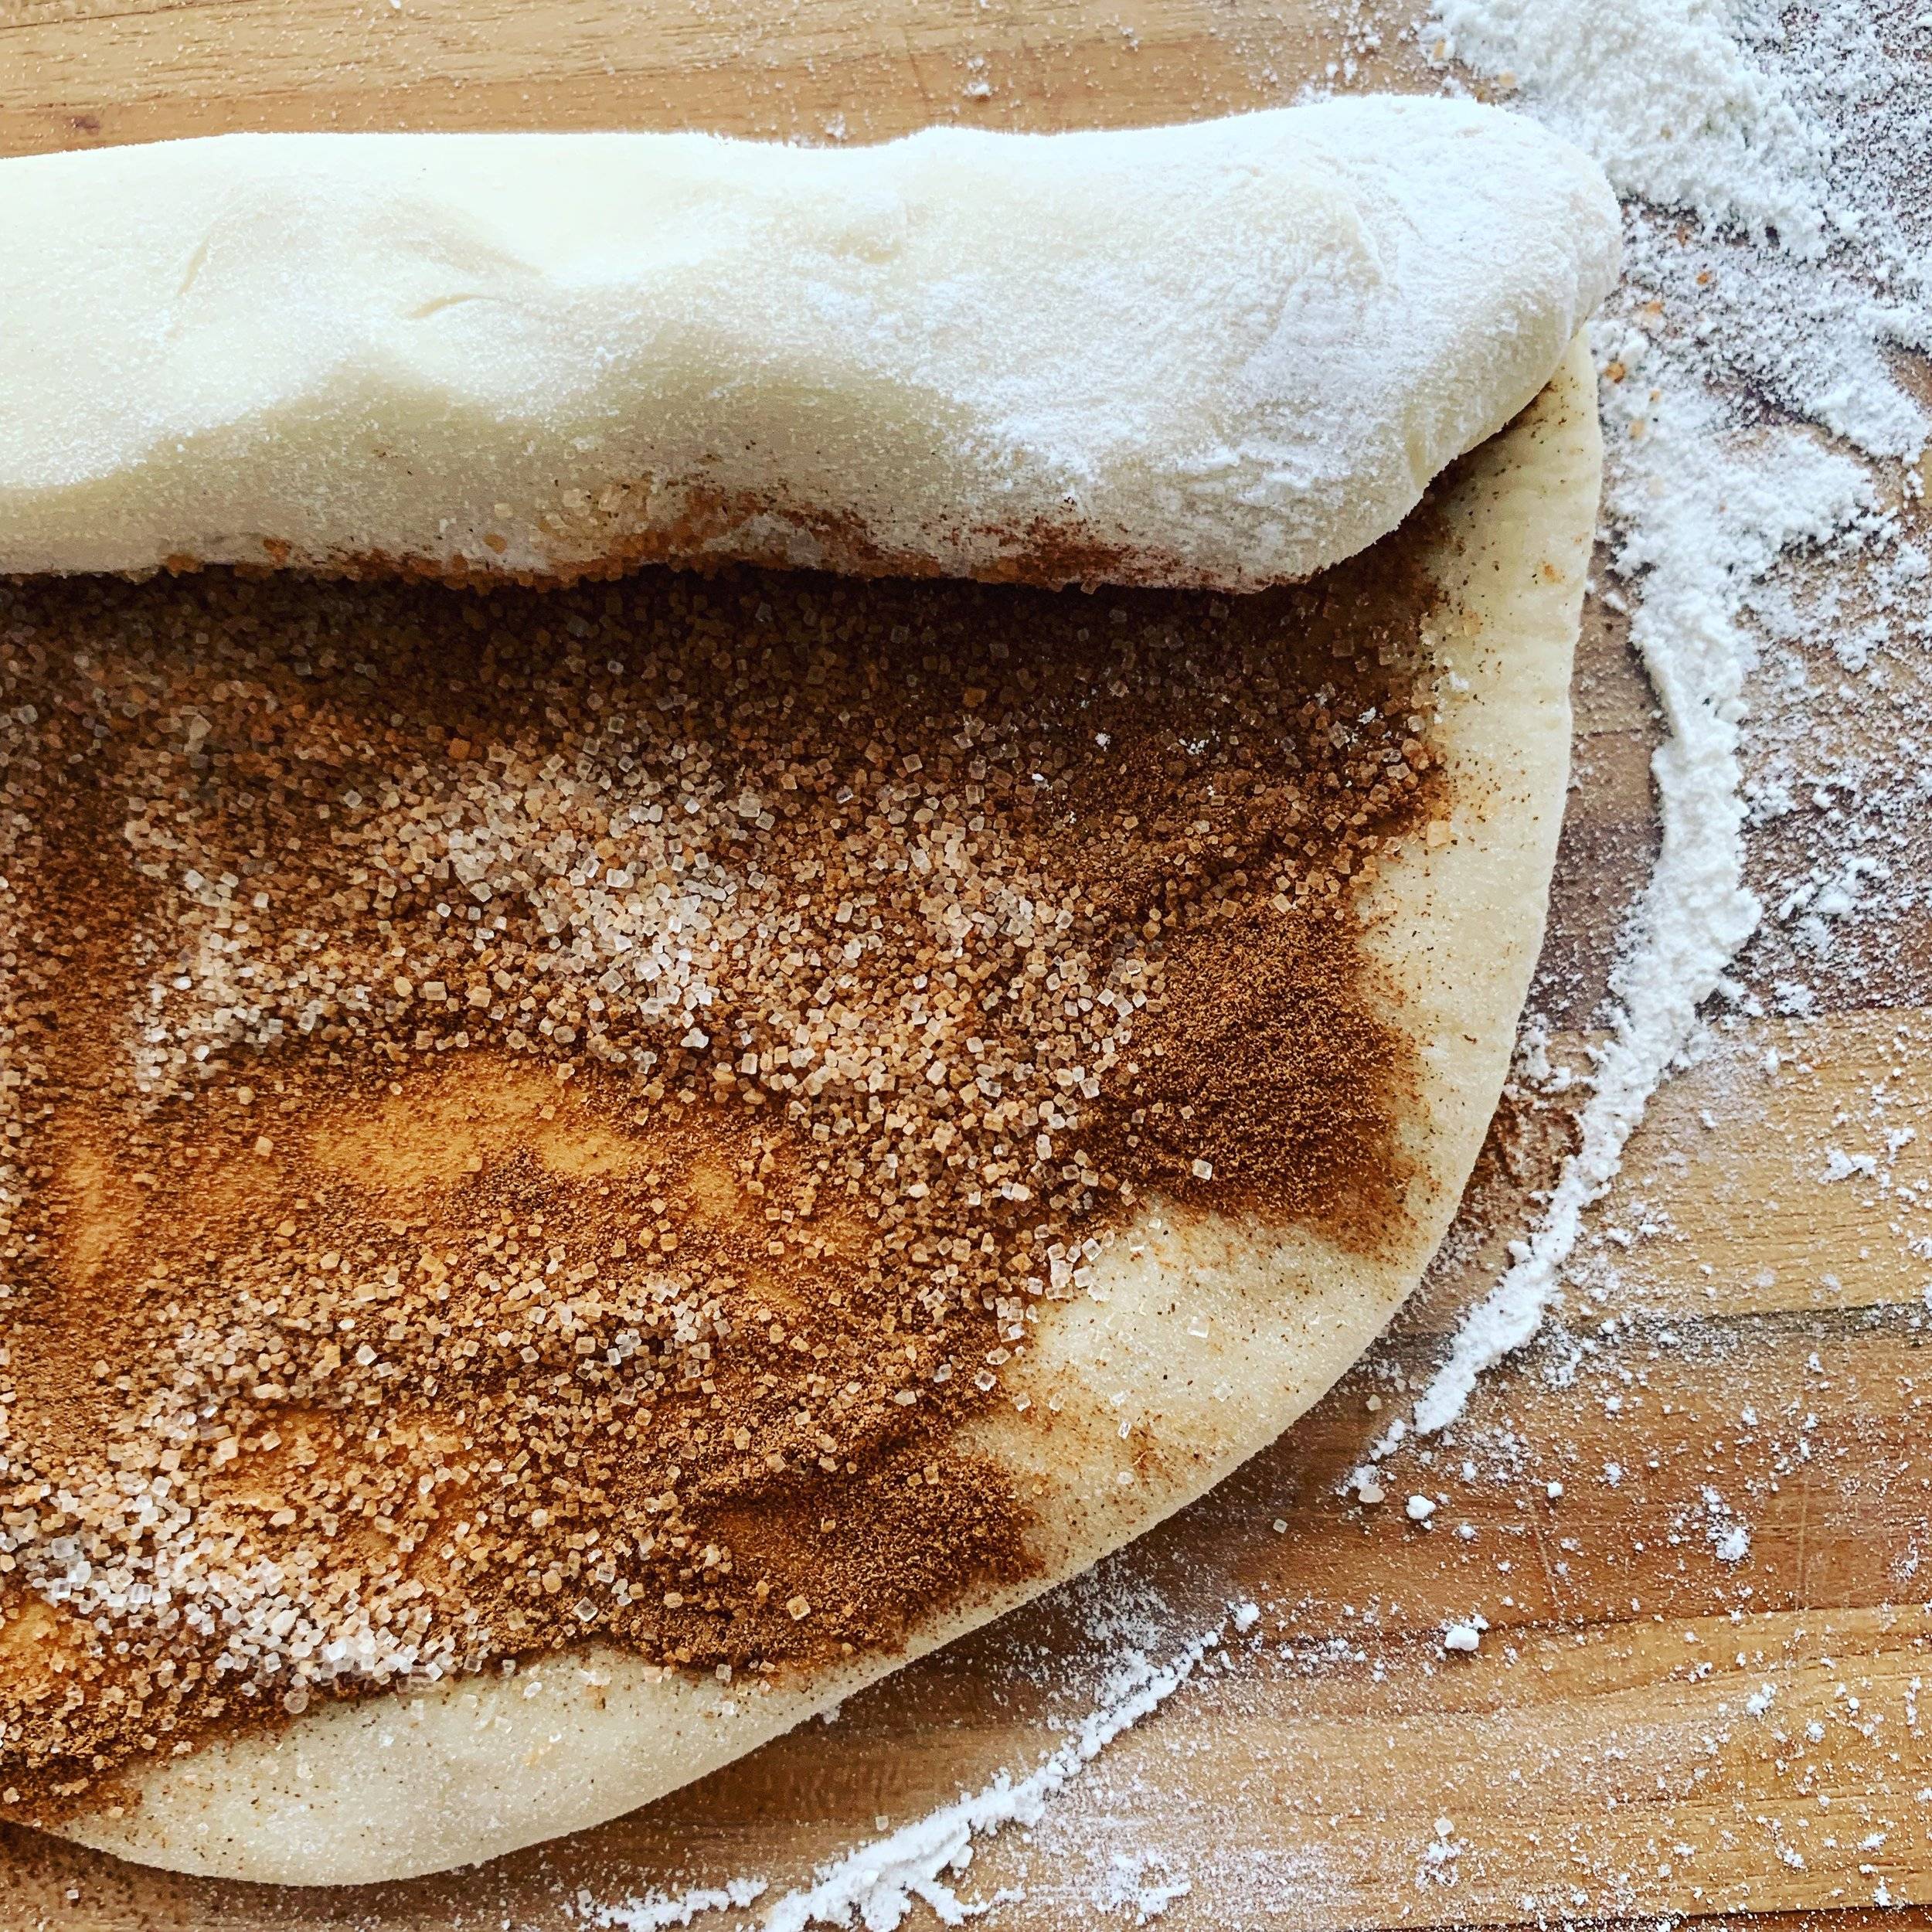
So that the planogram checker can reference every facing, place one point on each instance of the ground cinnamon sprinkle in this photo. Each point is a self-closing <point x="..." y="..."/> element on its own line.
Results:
<point x="535" y="1118"/>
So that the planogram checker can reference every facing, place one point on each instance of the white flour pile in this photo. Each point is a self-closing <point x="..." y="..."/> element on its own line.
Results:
<point x="1778" y="263"/>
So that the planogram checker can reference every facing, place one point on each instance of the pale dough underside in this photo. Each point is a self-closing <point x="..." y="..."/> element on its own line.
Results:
<point x="1219" y="1336"/>
<point x="1223" y="355"/>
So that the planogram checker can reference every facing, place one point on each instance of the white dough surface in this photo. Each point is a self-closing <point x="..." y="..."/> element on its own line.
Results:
<point x="1225" y="354"/>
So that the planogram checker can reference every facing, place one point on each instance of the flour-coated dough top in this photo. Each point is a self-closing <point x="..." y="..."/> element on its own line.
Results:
<point x="1229" y="353"/>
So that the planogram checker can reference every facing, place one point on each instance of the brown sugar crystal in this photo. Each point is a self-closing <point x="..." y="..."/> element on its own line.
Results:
<point x="536" y="1118"/>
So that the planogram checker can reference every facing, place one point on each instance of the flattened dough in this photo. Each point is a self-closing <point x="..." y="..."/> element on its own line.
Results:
<point x="1223" y="355"/>
<point x="390" y="1786"/>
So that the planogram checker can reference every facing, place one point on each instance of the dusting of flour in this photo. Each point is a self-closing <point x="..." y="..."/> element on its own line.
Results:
<point x="1750" y="411"/>
<point x="876" y="1884"/>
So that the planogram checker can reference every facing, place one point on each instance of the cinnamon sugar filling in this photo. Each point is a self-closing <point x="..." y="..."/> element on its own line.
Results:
<point x="534" y="1118"/>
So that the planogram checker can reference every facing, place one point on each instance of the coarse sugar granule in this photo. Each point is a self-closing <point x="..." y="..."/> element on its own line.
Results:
<point x="536" y="1118"/>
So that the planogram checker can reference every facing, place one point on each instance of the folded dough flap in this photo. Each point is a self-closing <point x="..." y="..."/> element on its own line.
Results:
<point x="1226" y="354"/>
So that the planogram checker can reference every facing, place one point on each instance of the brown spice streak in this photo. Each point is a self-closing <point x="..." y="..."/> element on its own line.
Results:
<point x="536" y="1118"/>
<point x="628" y="527"/>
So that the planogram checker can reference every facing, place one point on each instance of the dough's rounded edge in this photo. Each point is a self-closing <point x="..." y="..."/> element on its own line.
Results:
<point x="1218" y="1337"/>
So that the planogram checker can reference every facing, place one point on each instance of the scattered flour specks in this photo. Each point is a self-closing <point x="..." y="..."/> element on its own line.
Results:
<point x="657" y="1912"/>
<point x="1439" y="1856"/>
<point x="1730" y="1537"/>
<point x="1141" y="1885"/>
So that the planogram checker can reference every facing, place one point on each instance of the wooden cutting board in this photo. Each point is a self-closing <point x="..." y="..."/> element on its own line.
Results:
<point x="1647" y="1729"/>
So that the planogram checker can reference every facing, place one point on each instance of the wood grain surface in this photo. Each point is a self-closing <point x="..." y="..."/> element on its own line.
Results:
<point x="1657" y="1725"/>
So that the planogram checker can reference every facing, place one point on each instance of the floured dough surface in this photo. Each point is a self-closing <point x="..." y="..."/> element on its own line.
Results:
<point x="1226" y="354"/>
<point x="1202" y="1323"/>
